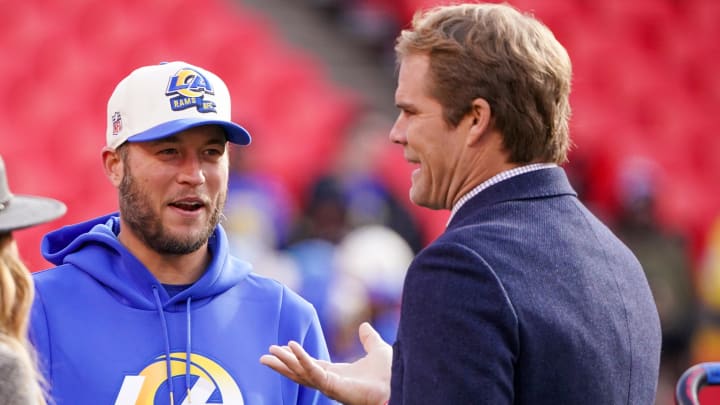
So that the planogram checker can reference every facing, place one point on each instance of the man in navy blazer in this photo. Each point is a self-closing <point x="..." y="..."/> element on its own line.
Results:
<point x="526" y="298"/>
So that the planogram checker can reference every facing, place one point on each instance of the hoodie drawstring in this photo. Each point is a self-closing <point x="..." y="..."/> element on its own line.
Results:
<point x="168" y="369"/>
<point x="188" y="346"/>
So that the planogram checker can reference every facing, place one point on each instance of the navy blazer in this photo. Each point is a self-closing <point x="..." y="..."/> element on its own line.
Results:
<point x="526" y="298"/>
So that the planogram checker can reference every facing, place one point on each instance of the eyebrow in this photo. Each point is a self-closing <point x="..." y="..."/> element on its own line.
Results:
<point x="167" y="139"/>
<point x="218" y="140"/>
<point x="404" y="106"/>
<point x="221" y="139"/>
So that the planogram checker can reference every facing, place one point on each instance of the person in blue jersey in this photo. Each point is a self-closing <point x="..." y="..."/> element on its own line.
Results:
<point x="146" y="306"/>
<point x="526" y="297"/>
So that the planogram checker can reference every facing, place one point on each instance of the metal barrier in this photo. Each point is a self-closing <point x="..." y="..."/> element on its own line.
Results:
<point x="693" y="380"/>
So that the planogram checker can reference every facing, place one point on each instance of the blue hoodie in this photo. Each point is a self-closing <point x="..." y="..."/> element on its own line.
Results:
<point x="107" y="332"/>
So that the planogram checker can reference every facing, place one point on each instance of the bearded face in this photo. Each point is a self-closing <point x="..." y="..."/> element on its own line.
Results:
<point x="146" y="223"/>
<point x="138" y="213"/>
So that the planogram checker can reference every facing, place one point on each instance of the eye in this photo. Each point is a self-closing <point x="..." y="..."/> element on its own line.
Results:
<point x="407" y="112"/>
<point x="214" y="152"/>
<point x="168" y="151"/>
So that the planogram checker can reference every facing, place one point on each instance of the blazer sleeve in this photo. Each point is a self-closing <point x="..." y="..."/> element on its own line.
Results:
<point x="458" y="338"/>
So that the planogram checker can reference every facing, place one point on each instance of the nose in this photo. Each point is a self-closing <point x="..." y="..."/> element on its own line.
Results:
<point x="398" y="131"/>
<point x="191" y="171"/>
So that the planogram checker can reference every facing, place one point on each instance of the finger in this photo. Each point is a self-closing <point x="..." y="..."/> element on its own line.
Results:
<point x="286" y="356"/>
<point x="277" y="365"/>
<point x="299" y="352"/>
<point x="306" y="361"/>
<point x="280" y="367"/>
<point x="369" y="337"/>
<point x="279" y="349"/>
<point x="311" y="366"/>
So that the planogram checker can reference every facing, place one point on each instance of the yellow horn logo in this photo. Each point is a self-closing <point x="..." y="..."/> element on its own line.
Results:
<point x="142" y="389"/>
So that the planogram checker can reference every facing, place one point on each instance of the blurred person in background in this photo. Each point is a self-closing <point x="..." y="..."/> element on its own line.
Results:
<point x="370" y="200"/>
<point x="526" y="298"/>
<point x="258" y="215"/>
<point x="322" y="224"/>
<point x="705" y="345"/>
<point x="346" y="201"/>
<point x="148" y="305"/>
<point x="325" y="213"/>
<point x="664" y="257"/>
<point x="20" y="381"/>
<point x="374" y="258"/>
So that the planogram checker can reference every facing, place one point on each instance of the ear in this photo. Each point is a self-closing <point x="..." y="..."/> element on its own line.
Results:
<point x="113" y="165"/>
<point x="480" y="116"/>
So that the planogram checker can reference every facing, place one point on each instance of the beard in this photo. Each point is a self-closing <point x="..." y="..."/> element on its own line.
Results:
<point x="138" y="215"/>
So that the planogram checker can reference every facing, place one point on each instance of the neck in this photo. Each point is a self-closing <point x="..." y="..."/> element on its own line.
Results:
<point x="484" y="160"/>
<point x="167" y="268"/>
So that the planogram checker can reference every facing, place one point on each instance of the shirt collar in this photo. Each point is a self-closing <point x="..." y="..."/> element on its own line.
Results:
<point x="504" y="175"/>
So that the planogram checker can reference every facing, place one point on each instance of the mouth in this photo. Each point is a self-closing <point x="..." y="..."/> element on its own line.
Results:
<point x="415" y="166"/>
<point x="188" y="204"/>
<point x="412" y="161"/>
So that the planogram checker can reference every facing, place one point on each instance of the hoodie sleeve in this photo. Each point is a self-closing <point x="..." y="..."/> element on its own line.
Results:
<point x="305" y="330"/>
<point x="39" y="335"/>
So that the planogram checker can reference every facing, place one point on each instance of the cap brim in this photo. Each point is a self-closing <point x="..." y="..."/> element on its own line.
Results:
<point x="234" y="132"/>
<point x="25" y="211"/>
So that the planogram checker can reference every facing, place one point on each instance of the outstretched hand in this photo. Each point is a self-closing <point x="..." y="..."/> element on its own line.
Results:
<point x="364" y="382"/>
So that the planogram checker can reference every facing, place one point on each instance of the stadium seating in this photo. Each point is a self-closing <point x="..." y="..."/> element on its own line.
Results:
<point x="62" y="59"/>
<point x="645" y="82"/>
<point x="646" y="85"/>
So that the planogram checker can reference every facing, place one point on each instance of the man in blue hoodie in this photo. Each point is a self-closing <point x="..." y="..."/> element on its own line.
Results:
<point x="147" y="306"/>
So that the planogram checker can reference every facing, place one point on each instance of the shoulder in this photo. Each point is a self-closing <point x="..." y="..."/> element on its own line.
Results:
<point x="457" y="246"/>
<point x="8" y="356"/>
<point x="294" y="314"/>
<point x="11" y="366"/>
<point x="61" y="273"/>
<point x="53" y="284"/>
<point x="455" y="267"/>
<point x="285" y="297"/>
<point x="15" y="379"/>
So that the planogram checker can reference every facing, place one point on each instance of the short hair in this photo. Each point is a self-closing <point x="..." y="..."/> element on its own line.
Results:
<point x="510" y="59"/>
<point x="122" y="151"/>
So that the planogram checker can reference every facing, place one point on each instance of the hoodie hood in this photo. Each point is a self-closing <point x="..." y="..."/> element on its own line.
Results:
<point x="93" y="247"/>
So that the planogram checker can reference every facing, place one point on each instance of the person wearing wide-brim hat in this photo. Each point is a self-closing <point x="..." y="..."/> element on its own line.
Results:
<point x="23" y="211"/>
<point x="20" y="382"/>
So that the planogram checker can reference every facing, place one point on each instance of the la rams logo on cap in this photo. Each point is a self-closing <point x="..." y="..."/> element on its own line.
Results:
<point x="209" y="383"/>
<point x="189" y="88"/>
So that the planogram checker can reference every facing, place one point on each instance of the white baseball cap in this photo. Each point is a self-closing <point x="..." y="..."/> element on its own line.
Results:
<point x="157" y="101"/>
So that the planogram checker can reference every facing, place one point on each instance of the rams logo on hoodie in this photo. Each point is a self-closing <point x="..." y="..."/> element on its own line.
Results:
<point x="209" y="383"/>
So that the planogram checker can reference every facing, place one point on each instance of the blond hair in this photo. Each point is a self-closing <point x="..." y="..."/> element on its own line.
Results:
<point x="509" y="59"/>
<point x="16" y="297"/>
